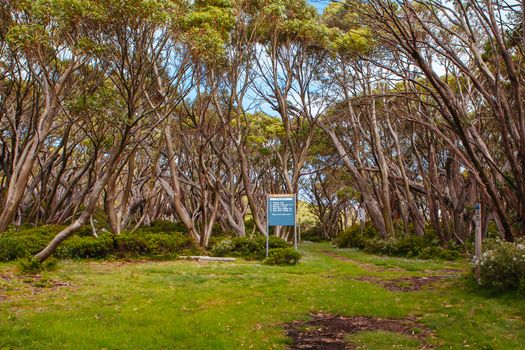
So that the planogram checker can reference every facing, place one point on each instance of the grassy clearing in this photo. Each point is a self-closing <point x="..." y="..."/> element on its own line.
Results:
<point x="191" y="305"/>
<point x="379" y="340"/>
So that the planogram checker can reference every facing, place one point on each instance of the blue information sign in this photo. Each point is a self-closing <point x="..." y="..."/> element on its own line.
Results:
<point x="281" y="211"/>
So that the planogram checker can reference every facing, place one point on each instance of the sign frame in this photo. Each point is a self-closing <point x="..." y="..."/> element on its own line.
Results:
<point x="282" y="196"/>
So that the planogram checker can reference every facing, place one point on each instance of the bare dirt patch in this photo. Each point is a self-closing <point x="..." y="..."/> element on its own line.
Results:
<point x="5" y="277"/>
<point x="405" y="284"/>
<point x="34" y="284"/>
<point x="37" y="282"/>
<point x="328" y="332"/>
<point x="402" y="284"/>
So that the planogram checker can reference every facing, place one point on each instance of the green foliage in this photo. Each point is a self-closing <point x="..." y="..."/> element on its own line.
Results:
<point x="354" y="238"/>
<point x="153" y="244"/>
<point x="206" y="30"/>
<point x="250" y="247"/>
<point x="307" y="31"/>
<point x="313" y="234"/>
<point x="86" y="247"/>
<point x="222" y="247"/>
<point x="293" y="21"/>
<point x="502" y="265"/>
<point x="11" y="248"/>
<point x="263" y="128"/>
<point x="352" y="43"/>
<point x="283" y="256"/>
<point x="129" y="245"/>
<point x="26" y="242"/>
<point x="410" y="246"/>
<point x="162" y="244"/>
<point x="25" y="36"/>
<point x="160" y="240"/>
<point x="33" y="266"/>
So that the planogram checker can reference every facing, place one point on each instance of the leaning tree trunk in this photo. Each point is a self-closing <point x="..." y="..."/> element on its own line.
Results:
<point x="84" y="218"/>
<point x="371" y="204"/>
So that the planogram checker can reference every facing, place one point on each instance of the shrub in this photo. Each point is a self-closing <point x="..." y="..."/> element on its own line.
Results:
<point x="153" y="244"/>
<point x="354" y="238"/>
<point x="439" y="252"/>
<point x="410" y="246"/>
<point x="129" y="245"/>
<point x="86" y="247"/>
<point x="282" y="256"/>
<point x="249" y="247"/>
<point x="25" y="241"/>
<point x="159" y="240"/>
<point x="224" y="247"/>
<point x="11" y="248"/>
<point x="36" y="238"/>
<point x="162" y="244"/>
<point x="313" y="234"/>
<point x="502" y="265"/>
<point x="33" y="266"/>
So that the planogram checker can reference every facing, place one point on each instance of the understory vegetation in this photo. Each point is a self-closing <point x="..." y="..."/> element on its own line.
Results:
<point x="154" y="242"/>
<point x="251" y="247"/>
<point x="427" y="246"/>
<point x="158" y="241"/>
<point x="502" y="265"/>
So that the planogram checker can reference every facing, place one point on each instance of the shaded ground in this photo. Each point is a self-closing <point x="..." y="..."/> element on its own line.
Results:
<point x="328" y="332"/>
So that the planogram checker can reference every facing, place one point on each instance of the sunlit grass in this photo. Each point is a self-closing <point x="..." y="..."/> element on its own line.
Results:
<point x="191" y="305"/>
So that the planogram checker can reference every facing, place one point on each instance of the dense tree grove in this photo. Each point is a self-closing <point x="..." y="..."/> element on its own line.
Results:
<point x="193" y="111"/>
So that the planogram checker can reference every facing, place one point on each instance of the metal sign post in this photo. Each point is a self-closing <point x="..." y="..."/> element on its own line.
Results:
<point x="280" y="211"/>
<point x="477" y="238"/>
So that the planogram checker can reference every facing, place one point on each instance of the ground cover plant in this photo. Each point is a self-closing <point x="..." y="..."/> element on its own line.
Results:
<point x="427" y="246"/>
<point x="245" y="304"/>
<point x="502" y="265"/>
<point x="254" y="248"/>
<point x="161" y="240"/>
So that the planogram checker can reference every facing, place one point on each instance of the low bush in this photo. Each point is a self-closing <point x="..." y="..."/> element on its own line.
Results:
<point x="26" y="241"/>
<point x="283" y="256"/>
<point x="502" y="265"/>
<point x="11" y="248"/>
<point x="153" y="244"/>
<point x="128" y="245"/>
<point x="354" y="237"/>
<point x="410" y="246"/>
<point x="167" y="245"/>
<point x="439" y="252"/>
<point x="86" y="247"/>
<point x="313" y="234"/>
<point x="157" y="241"/>
<point x="222" y="247"/>
<point x="32" y="266"/>
<point x="249" y="247"/>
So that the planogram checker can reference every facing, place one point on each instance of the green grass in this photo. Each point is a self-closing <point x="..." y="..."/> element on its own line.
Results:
<point x="243" y="305"/>
<point x="379" y="340"/>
